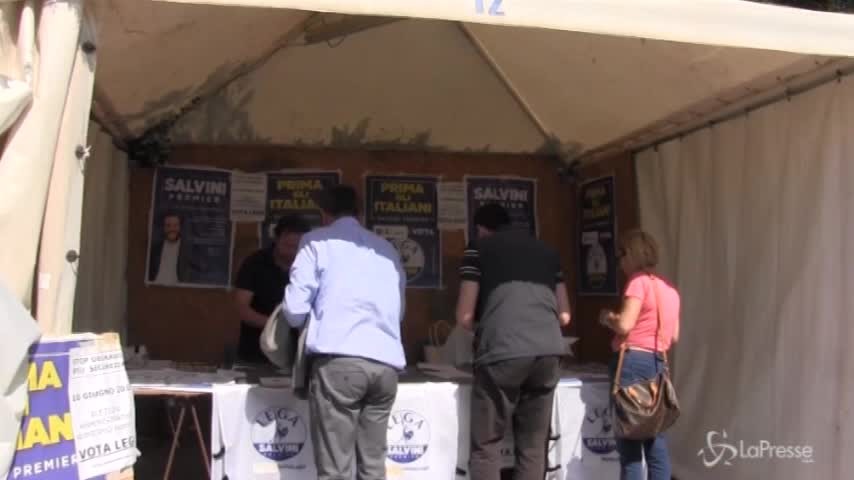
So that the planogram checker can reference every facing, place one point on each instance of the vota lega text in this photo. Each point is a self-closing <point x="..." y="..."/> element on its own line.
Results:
<point x="51" y="429"/>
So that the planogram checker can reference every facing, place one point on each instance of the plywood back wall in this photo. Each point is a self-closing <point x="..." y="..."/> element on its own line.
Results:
<point x="197" y="324"/>
<point x="595" y="339"/>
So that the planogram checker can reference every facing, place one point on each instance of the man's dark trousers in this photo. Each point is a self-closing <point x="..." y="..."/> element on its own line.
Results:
<point x="515" y="393"/>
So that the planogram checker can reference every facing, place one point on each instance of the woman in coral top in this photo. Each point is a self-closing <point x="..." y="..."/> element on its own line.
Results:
<point x="635" y="325"/>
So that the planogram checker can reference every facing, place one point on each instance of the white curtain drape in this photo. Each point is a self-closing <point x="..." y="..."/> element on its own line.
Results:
<point x="10" y="18"/>
<point x="15" y="96"/>
<point x="755" y="217"/>
<point x="17" y="48"/>
<point x="16" y="90"/>
<point x="25" y="167"/>
<point x="61" y="227"/>
<point x="101" y="296"/>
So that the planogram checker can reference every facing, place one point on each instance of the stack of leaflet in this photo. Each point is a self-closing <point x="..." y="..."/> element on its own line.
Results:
<point x="444" y="372"/>
<point x="171" y="379"/>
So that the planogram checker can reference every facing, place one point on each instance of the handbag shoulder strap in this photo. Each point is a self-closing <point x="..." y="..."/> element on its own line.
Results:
<point x="623" y="346"/>
<point x="616" y="385"/>
<point x="658" y="327"/>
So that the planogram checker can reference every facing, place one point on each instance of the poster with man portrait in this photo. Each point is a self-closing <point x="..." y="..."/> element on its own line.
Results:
<point x="517" y="195"/>
<point x="404" y="210"/>
<point x="190" y="234"/>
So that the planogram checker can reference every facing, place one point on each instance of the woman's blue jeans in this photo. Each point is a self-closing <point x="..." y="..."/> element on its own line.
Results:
<point x="639" y="366"/>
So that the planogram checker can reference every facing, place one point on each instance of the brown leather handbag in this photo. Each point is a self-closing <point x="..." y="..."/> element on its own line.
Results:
<point x="644" y="409"/>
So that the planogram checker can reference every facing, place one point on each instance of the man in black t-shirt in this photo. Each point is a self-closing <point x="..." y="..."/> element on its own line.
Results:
<point x="513" y="295"/>
<point x="260" y="285"/>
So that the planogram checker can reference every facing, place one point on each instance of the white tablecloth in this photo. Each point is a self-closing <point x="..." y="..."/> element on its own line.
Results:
<point x="262" y="433"/>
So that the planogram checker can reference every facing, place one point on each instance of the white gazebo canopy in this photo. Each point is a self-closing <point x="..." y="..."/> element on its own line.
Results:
<point x="567" y="77"/>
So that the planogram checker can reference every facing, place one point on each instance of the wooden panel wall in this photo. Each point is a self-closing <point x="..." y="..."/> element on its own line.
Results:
<point x="197" y="324"/>
<point x="595" y="339"/>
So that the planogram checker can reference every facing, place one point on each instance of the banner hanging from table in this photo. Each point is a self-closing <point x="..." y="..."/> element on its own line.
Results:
<point x="517" y="195"/>
<point x="265" y="433"/>
<point x="597" y="248"/>
<point x="586" y="447"/>
<point x="293" y="193"/>
<point x="424" y="433"/>
<point x="190" y="240"/>
<point x="403" y="209"/>
<point x="79" y="420"/>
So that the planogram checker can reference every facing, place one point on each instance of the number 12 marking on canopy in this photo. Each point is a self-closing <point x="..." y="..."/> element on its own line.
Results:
<point x="494" y="8"/>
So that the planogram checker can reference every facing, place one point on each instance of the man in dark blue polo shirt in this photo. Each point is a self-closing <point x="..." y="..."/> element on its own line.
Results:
<point x="513" y="294"/>
<point x="260" y="286"/>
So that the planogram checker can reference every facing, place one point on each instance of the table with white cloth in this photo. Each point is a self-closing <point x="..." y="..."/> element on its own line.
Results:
<point x="262" y="433"/>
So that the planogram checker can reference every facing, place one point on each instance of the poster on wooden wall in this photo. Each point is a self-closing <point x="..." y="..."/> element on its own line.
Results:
<point x="597" y="238"/>
<point x="517" y="195"/>
<point x="190" y="232"/>
<point x="248" y="197"/>
<point x="403" y="209"/>
<point x="293" y="193"/>
<point x="452" y="206"/>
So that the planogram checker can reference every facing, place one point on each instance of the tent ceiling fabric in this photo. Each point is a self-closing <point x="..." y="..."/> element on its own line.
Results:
<point x="156" y="57"/>
<point x="630" y="81"/>
<point x="411" y="83"/>
<point x="710" y="22"/>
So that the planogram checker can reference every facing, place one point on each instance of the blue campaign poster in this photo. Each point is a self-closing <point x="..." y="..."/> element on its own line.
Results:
<point x="190" y="240"/>
<point x="293" y="193"/>
<point x="46" y="449"/>
<point x="597" y="238"/>
<point x="517" y="195"/>
<point x="404" y="209"/>
<point x="78" y="421"/>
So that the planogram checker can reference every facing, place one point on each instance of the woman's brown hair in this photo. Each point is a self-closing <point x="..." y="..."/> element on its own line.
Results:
<point x="641" y="249"/>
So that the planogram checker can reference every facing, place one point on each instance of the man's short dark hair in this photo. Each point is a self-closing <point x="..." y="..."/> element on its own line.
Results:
<point x="339" y="201"/>
<point x="492" y="217"/>
<point x="291" y="224"/>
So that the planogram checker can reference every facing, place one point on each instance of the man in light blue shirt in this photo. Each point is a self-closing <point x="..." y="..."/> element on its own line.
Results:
<point x="348" y="285"/>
